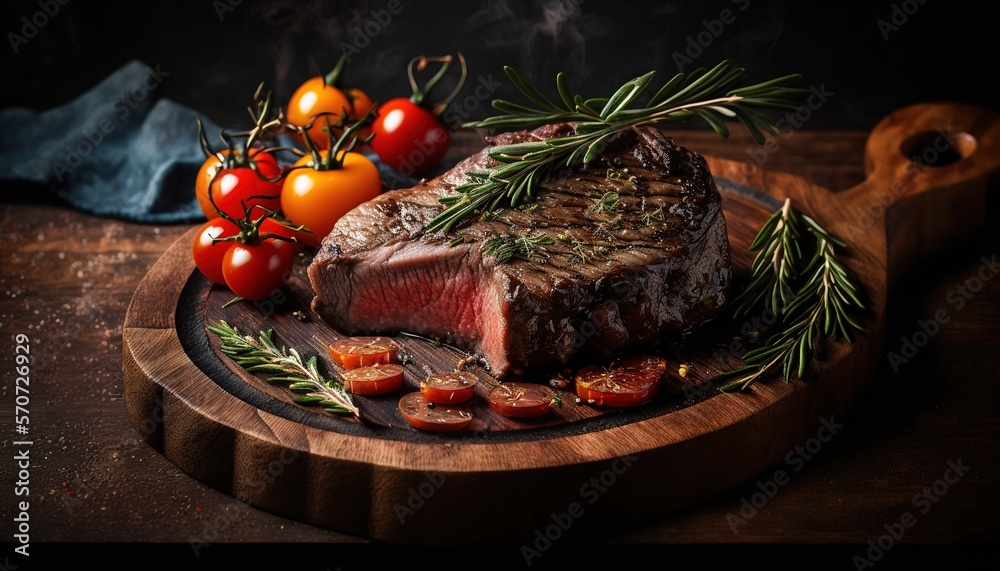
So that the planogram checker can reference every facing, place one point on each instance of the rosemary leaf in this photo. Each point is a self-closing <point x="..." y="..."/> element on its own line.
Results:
<point x="711" y="94"/>
<point x="804" y="283"/>
<point x="261" y="354"/>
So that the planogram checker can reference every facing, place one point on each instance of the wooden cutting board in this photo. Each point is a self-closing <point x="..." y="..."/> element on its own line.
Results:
<point x="582" y="468"/>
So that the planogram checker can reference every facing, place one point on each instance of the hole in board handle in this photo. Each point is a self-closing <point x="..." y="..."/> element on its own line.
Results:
<point x="938" y="148"/>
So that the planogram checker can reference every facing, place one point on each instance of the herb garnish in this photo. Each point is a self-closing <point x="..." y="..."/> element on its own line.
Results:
<point x="708" y="93"/>
<point x="813" y="297"/>
<point x="506" y="247"/>
<point x="285" y="365"/>
<point x="606" y="203"/>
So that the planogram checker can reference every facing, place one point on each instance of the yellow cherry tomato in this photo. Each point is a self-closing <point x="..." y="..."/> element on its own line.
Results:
<point x="313" y="98"/>
<point x="317" y="196"/>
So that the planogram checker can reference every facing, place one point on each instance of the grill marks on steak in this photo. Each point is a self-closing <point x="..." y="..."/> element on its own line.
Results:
<point x="655" y="264"/>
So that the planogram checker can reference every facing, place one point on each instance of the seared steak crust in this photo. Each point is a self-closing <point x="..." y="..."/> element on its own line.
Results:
<point x="649" y="260"/>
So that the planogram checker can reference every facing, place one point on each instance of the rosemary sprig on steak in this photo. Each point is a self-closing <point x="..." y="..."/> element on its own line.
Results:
<point x="284" y="365"/>
<point x="505" y="247"/>
<point x="712" y="94"/>
<point x="802" y="282"/>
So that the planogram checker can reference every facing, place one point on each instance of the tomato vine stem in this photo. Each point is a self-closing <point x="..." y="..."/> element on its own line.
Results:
<point x="420" y="95"/>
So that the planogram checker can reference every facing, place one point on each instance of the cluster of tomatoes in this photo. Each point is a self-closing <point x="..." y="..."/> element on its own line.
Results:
<point x="260" y="212"/>
<point x="370" y="366"/>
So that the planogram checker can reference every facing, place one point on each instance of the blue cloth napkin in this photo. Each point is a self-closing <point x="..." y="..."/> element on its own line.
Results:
<point x="118" y="150"/>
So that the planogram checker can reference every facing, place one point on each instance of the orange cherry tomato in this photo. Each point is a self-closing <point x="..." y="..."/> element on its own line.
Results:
<point x="522" y="400"/>
<point x="630" y="381"/>
<point x="352" y="352"/>
<point x="316" y="197"/>
<point x="377" y="379"/>
<point x="453" y="387"/>
<point x="431" y="416"/>
<point x="313" y="98"/>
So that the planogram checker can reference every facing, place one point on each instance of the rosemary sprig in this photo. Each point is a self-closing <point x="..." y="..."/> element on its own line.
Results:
<point x="814" y="302"/>
<point x="285" y="365"/>
<point x="606" y="203"/>
<point x="711" y="94"/>
<point x="505" y="247"/>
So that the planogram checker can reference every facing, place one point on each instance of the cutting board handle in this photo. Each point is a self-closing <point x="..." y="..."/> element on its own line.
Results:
<point x="928" y="167"/>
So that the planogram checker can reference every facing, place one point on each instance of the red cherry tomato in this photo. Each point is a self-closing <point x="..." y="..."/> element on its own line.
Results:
<point x="208" y="254"/>
<point x="453" y="387"/>
<point x="234" y="186"/>
<point x="522" y="400"/>
<point x="629" y="381"/>
<point x="255" y="271"/>
<point x="409" y="138"/>
<point x="278" y="228"/>
<point x="431" y="416"/>
<point x="351" y="352"/>
<point x="377" y="379"/>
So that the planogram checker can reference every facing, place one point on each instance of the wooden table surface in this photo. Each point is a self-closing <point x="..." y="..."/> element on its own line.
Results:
<point x="95" y="485"/>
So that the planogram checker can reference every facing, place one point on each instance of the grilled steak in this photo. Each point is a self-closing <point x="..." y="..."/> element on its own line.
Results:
<point x="638" y="251"/>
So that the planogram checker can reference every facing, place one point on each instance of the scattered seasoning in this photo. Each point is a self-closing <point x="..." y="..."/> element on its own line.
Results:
<point x="559" y="382"/>
<point x="490" y="215"/>
<point x="654" y="217"/>
<point x="581" y="253"/>
<point x="682" y="370"/>
<point x="430" y="404"/>
<point x="606" y="203"/>
<point x="506" y="247"/>
<point x="297" y="314"/>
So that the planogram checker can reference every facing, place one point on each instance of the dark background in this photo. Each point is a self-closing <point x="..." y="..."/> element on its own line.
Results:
<point x="216" y="53"/>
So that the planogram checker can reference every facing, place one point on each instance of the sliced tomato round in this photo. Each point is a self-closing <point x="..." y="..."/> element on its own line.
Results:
<point x="377" y="379"/>
<point x="453" y="387"/>
<point x="629" y="381"/>
<point x="351" y="352"/>
<point x="433" y="417"/>
<point x="522" y="400"/>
